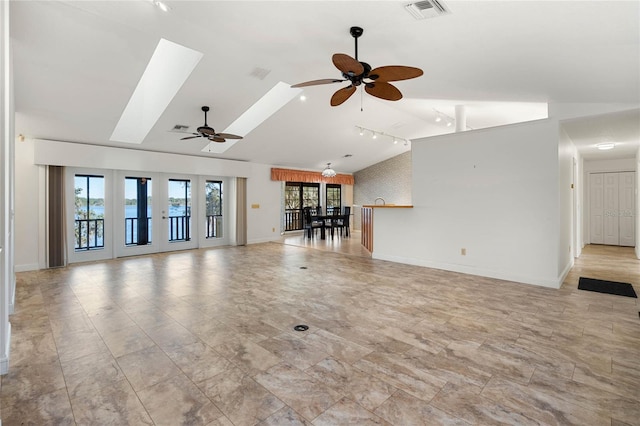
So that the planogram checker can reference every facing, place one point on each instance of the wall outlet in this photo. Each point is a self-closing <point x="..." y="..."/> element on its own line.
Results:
<point x="463" y="251"/>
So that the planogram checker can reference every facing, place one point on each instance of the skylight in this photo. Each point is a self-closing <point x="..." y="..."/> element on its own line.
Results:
<point x="168" y="69"/>
<point x="265" y="107"/>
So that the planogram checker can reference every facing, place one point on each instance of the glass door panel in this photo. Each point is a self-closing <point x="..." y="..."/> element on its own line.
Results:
<point x="178" y="201"/>
<point x="138" y="208"/>
<point x="179" y="208"/>
<point x="213" y="209"/>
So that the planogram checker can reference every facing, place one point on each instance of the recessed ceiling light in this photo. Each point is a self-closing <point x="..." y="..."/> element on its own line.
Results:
<point x="166" y="72"/>
<point x="162" y="6"/>
<point x="303" y="98"/>
<point x="605" y="145"/>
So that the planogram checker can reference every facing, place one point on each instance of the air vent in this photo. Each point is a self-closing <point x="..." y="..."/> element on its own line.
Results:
<point x="427" y="9"/>
<point x="259" y="73"/>
<point x="179" y="128"/>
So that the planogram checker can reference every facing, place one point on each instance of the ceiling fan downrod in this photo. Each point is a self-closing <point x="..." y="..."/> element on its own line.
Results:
<point x="205" y="109"/>
<point x="355" y="33"/>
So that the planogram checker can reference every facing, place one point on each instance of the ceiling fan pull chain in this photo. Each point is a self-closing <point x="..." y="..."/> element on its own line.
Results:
<point x="361" y="99"/>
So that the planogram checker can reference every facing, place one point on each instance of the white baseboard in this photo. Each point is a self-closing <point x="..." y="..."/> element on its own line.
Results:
<point x="27" y="267"/>
<point x="4" y="361"/>
<point x="565" y="272"/>
<point x="499" y="275"/>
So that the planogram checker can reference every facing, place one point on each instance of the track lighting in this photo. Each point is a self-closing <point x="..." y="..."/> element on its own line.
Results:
<point x="440" y="116"/>
<point x="375" y="134"/>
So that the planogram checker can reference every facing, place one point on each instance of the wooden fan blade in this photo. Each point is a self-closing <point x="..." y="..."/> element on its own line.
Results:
<point x="317" y="82"/>
<point x="383" y="90"/>
<point x="347" y="64"/>
<point x="217" y="139"/>
<point x="394" y="73"/>
<point x="227" y="136"/>
<point x="191" y="137"/>
<point x="342" y="95"/>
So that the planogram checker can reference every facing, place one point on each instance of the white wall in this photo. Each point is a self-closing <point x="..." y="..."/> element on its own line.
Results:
<point x="32" y="155"/>
<point x="7" y="276"/>
<point x="493" y="192"/>
<point x="30" y="237"/>
<point x="637" y="161"/>
<point x="567" y="189"/>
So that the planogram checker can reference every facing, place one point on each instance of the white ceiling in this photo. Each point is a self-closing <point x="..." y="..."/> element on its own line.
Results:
<point x="76" y="64"/>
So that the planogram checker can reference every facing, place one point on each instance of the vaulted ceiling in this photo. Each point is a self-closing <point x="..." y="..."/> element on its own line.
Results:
<point x="77" y="63"/>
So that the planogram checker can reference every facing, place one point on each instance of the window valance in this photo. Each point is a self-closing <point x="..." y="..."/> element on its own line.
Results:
<point x="289" y="175"/>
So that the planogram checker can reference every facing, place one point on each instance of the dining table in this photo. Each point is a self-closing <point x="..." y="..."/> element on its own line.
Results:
<point x="331" y="218"/>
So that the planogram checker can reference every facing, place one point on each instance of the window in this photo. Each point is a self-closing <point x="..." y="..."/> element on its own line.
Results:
<point x="89" y="212"/>
<point x="137" y="211"/>
<point x="333" y="197"/>
<point x="213" y="208"/>
<point x="179" y="208"/>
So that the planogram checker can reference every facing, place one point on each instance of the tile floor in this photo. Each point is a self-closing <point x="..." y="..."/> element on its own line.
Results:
<point x="205" y="337"/>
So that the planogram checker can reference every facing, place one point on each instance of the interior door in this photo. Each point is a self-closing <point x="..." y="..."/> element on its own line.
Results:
<point x="596" y="208"/>
<point x="178" y="210"/>
<point x="626" y="208"/>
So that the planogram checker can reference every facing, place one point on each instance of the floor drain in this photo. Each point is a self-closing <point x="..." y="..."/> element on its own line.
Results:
<point x="301" y="327"/>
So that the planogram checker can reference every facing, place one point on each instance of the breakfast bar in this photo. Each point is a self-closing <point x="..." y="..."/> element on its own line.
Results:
<point x="367" y="222"/>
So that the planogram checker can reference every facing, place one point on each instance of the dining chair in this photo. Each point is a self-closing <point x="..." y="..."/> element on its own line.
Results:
<point x="311" y="224"/>
<point x="342" y="222"/>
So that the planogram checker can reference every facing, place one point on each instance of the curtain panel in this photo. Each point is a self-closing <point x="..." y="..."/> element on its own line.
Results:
<point x="241" y="211"/>
<point x="289" y="175"/>
<point x="57" y="230"/>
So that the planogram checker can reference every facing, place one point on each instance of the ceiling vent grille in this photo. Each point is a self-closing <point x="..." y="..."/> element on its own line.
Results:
<point x="180" y="128"/>
<point x="427" y="9"/>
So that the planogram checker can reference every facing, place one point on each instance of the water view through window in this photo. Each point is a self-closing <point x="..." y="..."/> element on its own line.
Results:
<point x="179" y="209"/>
<point x="137" y="211"/>
<point x="89" y="212"/>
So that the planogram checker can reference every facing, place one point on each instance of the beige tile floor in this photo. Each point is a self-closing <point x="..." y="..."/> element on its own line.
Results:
<point x="206" y="337"/>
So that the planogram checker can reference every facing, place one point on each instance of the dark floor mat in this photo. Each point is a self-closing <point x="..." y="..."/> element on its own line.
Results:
<point x="610" y="287"/>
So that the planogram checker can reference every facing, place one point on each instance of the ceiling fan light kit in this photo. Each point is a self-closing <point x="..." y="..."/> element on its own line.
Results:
<point x="375" y="81"/>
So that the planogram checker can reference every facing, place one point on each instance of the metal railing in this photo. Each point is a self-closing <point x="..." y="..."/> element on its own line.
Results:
<point x="293" y="219"/>
<point x="89" y="234"/>
<point x="179" y="228"/>
<point x="131" y="230"/>
<point x="214" y="226"/>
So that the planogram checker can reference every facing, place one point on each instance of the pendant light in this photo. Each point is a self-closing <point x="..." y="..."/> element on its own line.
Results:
<point x="328" y="172"/>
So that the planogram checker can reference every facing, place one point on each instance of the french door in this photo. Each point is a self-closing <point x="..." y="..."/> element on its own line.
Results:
<point x="155" y="212"/>
<point x="125" y="213"/>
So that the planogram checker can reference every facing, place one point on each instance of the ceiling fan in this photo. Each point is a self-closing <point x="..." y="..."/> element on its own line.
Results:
<point x="375" y="81"/>
<point x="208" y="132"/>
